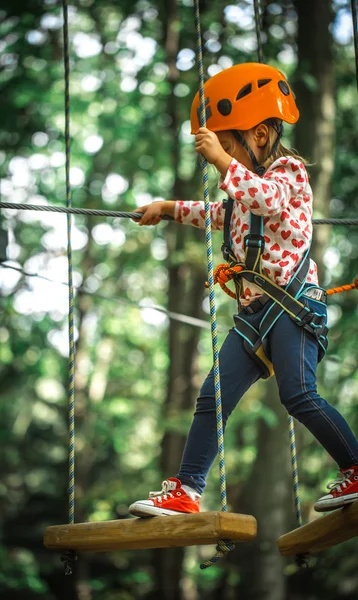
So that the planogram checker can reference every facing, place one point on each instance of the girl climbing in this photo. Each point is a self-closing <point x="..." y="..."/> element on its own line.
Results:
<point x="281" y="323"/>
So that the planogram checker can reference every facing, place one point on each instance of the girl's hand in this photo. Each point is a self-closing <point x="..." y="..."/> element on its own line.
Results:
<point x="151" y="213"/>
<point x="207" y="143"/>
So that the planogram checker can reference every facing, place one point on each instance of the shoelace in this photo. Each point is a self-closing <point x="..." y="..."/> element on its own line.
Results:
<point x="163" y="492"/>
<point x="342" y="482"/>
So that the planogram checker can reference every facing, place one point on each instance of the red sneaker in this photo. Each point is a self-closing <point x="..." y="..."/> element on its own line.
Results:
<point x="171" y="500"/>
<point x="342" y="491"/>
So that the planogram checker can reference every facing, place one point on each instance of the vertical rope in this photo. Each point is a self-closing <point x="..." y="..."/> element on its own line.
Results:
<point x="260" y="55"/>
<point x="295" y="470"/>
<point x="71" y="365"/>
<point x="223" y="546"/>
<point x="354" y="5"/>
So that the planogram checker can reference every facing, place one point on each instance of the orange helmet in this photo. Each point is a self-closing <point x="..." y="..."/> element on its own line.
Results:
<point x="243" y="96"/>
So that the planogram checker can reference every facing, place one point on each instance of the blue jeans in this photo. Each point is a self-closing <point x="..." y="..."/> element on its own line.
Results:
<point x="294" y="354"/>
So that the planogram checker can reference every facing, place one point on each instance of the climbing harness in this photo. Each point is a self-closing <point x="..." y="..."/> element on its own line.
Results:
<point x="275" y="299"/>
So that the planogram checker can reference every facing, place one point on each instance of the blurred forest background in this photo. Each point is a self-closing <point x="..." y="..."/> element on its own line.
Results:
<point x="138" y="368"/>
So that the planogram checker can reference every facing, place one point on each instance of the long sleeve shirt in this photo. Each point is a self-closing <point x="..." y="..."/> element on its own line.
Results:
<point x="283" y="196"/>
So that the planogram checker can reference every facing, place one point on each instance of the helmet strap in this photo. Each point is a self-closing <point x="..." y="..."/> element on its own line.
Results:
<point x="259" y="169"/>
<point x="278" y="127"/>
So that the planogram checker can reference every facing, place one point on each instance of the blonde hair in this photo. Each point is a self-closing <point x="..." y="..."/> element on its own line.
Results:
<point x="281" y="150"/>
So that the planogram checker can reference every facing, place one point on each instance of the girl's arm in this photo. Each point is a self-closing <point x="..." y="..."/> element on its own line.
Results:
<point x="186" y="212"/>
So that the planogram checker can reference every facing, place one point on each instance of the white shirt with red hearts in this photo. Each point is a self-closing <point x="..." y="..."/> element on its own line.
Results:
<point x="283" y="196"/>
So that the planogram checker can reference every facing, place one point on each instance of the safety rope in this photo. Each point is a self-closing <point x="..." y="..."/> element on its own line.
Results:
<point x="257" y="11"/>
<point x="69" y="555"/>
<point x="354" y="5"/>
<point x="223" y="546"/>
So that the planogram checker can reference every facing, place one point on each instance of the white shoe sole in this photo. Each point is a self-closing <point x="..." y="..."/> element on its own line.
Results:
<point x="144" y="510"/>
<point x="333" y="503"/>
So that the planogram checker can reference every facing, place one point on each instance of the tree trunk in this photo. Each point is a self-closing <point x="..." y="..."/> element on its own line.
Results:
<point x="268" y="497"/>
<point x="314" y="88"/>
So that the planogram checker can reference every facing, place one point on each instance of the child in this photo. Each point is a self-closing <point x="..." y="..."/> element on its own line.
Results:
<point x="245" y="107"/>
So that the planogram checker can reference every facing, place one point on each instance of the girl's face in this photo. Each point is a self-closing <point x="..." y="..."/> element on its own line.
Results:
<point x="256" y="138"/>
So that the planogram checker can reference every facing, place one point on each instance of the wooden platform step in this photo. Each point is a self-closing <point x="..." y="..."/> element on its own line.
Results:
<point x="325" y="532"/>
<point x="158" y="532"/>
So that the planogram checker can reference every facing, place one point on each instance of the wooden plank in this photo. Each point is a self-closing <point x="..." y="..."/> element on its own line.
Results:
<point x="156" y="532"/>
<point x="325" y="532"/>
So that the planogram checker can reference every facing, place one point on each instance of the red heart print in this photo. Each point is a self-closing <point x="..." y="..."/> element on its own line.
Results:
<point x="267" y="271"/>
<point x="306" y="197"/>
<point x="297" y="243"/>
<point x="247" y="292"/>
<point x="244" y="228"/>
<point x="238" y="240"/>
<point x="267" y="239"/>
<point x="284" y="161"/>
<point x="233" y="167"/>
<point x="296" y="203"/>
<point x="274" y="227"/>
<point x="255" y="204"/>
<point x="294" y="167"/>
<point x="266" y="256"/>
<point x="233" y="233"/>
<point x="295" y="257"/>
<point x="286" y="234"/>
<point x="285" y="253"/>
<point x="195" y="203"/>
<point x="280" y="170"/>
<point x="283" y="263"/>
<point x="268" y="201"/>
<point x="266" y="220"/>
<point x="284" y="215"/>
<point x="252" y="192"/>
<point x="303" y="217"/>
<point x="294" y="224"/>
<point x="300" y="179"/>
<point x="239" y="195"/>
<point x="195" y="222"/>
<point x="202" y="213"/>
<point x="244" y="209"/>
<point x="275" y="247"/>
<point x="277" y="274"/>
<point x="247" y="176"/>
<point x="238" y="222"/>
<point x="265" y="187"/>
<point x="186" y="211"/>
<point x="235" y="181"/>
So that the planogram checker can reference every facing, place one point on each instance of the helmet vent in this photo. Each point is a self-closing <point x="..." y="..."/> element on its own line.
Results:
<point x="244" y="91"/>
<point x="224" y="107"/>
<point x="262" y="82"/>
<point x="284" y="87"/>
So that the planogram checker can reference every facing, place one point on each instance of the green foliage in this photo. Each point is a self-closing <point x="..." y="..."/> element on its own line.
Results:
<point x="123" y="156"/>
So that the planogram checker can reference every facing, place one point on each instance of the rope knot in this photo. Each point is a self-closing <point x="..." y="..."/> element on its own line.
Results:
<point x="223" y="547"/>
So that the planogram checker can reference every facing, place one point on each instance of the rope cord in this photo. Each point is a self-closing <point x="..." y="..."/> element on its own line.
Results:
<point x="223" y="546"/>
<point x="260" y="55"/>
<point x="354" y="5"/>
<point x="69" y="556"/>
<point x="131" y="215"/>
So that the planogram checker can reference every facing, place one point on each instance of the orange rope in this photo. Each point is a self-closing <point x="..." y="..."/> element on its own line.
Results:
<point x="343" y="288"/>
<point x="224" y="273"/>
